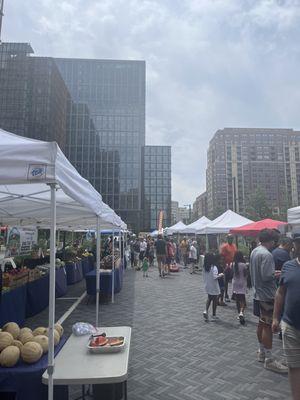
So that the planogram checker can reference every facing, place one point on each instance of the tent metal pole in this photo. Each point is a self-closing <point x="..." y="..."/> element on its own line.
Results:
<point x="98" y="250"/>
<point x="50" y="368"/>
<point x="113" y="270"/>
<point x="123" y="247"/>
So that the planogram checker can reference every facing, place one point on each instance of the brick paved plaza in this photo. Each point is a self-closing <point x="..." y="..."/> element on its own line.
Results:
<point x="175" y="355"/>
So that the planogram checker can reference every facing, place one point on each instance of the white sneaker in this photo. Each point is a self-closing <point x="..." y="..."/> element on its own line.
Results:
<point x="275" y="366"/>
<point x="205" y="316"/>
<point x="242" y="318"/>
<point x="261" y="356"/>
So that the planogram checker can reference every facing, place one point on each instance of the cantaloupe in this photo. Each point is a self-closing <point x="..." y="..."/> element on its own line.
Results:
<point x="26" y="337"/>
<point x="43" y="341"/>
<point x="31" y="352"/>
<point x="9" y="356"/>
<point x="17" y="343"/>
<point x="12" y="328"/>
<point x="41" y="330"/>
<point x="23" y="330"/>
<point x="6" y="339"/>
<point x="56" y="337"/>
<point x="59" y="329"/>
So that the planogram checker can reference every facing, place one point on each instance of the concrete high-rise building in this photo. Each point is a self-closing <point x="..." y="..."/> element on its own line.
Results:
<point x="174" y="212"/>
<point x="106" y="129"/>
<point x="33" y="95"/>
<point x="243" y="160"/>
<point x="156" y="173"/>
<point x="200" y="206"/>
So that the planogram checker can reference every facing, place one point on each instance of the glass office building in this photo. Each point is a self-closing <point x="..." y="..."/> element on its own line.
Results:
<point x="156" y="171"/>
<point x="106" y="129"/>
<point x="33" y="95"/>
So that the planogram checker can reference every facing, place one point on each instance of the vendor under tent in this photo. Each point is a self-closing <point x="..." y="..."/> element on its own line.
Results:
<point x="177" y="228"/>
<point x="224" y="223"/>
<point x="196" y="226"/>
<point x="38" y="184"/>
<point x="254" y="228"/>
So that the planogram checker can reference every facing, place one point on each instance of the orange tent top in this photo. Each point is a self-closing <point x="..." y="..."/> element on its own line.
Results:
<point x="254" y="228"/>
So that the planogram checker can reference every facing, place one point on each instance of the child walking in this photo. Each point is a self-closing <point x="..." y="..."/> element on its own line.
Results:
<point x="145" y="267"/>
<point x="239" y="284"/>
<point x="211" y="285"/>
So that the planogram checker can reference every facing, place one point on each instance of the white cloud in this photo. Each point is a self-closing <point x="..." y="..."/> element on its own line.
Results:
<point x="210" y="64"/>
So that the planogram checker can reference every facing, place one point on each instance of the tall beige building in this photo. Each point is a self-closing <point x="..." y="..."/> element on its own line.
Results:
<point x="242" y="160"/>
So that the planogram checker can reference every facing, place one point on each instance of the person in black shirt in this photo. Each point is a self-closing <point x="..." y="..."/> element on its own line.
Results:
<point x="287" y="305"/>
<point x="282" y="253"/>
<point x="161" y="252"/>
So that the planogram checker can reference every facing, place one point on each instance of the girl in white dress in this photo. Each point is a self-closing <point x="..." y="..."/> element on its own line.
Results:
<point x="211" y="285"/>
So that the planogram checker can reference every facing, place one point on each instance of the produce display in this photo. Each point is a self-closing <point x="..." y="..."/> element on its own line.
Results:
<point x="107" y="261"/>
<point x="14" y="278"/>
<point x="25" y="344"/>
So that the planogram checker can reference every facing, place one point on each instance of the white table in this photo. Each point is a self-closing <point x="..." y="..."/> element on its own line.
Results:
<point x="75" y="365"/>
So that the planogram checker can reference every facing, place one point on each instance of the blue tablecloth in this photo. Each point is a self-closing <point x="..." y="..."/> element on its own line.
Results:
<point x="61" y="286"/>
<point x="85" y="266"/>
<point x="105" y="281"/>
<point x="74" y="272"/>
<point x="26" y="379"/>
<point x="37" y="296"/>
<point x="13" y="306"/>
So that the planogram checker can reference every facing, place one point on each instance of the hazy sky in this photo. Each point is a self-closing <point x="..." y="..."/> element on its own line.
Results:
<point x="210" y="63"/>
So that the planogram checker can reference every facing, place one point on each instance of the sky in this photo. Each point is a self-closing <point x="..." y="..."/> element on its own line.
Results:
<point x="210" y="64"/>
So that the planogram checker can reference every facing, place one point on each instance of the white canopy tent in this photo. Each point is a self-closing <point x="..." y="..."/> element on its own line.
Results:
<point x="293" y="219"/>
<point x="39" y="185"/>
<point x="179" y="226"/>
<point x="222" y="224"/>
<point x="196" y="226"/>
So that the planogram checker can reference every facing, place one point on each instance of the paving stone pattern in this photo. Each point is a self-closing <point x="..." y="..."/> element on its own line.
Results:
<point x="175" y="355"/>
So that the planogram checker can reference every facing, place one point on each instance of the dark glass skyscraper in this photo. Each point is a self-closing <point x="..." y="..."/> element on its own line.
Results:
<point x="156" y="174"/>
<point x="33" y="95"/>
<point x="106" y="129"/>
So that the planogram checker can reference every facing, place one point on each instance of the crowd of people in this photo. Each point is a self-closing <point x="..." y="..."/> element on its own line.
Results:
<point x="272" y="269"/>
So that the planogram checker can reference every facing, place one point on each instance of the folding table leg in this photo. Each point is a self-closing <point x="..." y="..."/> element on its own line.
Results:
<point x="125" y="390"/>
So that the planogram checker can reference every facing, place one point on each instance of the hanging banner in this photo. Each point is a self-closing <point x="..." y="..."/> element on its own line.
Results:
<point x="20" y="241"/>
<point x="160" y="222"/>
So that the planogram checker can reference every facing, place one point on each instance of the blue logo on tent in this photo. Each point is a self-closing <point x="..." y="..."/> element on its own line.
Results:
<point x="37" y="171"/>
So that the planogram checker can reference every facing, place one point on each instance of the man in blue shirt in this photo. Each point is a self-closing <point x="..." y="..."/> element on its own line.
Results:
<point x="287" y="301"/>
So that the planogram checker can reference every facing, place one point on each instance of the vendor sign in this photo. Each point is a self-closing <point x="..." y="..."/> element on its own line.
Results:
<point x="20" y="241"/>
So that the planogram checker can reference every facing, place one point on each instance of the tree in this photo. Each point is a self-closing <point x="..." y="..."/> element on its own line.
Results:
<point x="257" y="206"/>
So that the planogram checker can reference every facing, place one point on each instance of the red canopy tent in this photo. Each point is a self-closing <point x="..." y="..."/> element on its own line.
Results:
<point x="254" y="228"/>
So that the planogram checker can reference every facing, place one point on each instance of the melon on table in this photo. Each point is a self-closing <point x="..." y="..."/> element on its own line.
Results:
<point x="43" y="341"/>
<point x="31" y="352"/>
<point x="56" y="337"/>
<point x="59" y="329"/>
<point x="23" y="330"/>
<point x="6" y="340"/>
<point x="41" y="330"/>
<point x="9" y="356"/>
<point x="25" y="337"/>
<point x="12" y="328"/>
<point x="17" y="343"/>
